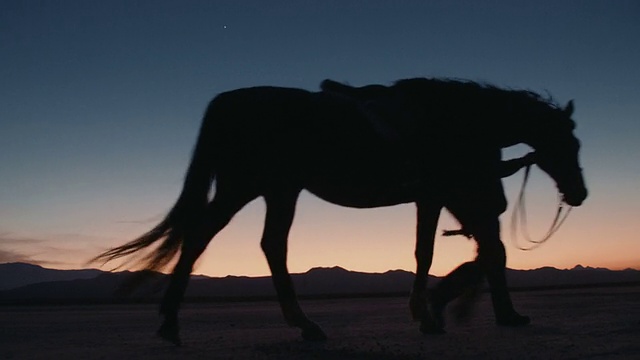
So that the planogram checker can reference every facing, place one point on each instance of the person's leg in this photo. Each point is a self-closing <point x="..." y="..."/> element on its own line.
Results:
<point x="491" y="262"/>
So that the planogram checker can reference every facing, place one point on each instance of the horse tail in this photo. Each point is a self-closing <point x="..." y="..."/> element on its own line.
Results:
<point x="186" y="213"/>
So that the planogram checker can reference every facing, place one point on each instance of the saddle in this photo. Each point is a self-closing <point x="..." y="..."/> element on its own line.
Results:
<point x="364" y="93"/>
<point x="380" y="105"/>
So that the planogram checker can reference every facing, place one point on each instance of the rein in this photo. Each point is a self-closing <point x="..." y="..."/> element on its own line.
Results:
<point x="519" y="217"/>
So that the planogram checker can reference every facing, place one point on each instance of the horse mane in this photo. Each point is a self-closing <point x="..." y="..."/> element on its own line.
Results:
<point x="434" y="85"/>
<point x="539" y="111"/>
<point x="472" y="88"/>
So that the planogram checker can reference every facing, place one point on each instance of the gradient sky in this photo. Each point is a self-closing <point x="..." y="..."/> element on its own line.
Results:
<point x="100" y="104"/>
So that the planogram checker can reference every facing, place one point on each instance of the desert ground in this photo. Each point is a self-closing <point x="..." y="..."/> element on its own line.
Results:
<point x="597" y="323"/>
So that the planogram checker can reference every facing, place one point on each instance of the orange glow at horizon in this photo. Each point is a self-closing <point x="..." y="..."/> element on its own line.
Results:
<point x="382" y="239"/>
<point x="378" y="240"/>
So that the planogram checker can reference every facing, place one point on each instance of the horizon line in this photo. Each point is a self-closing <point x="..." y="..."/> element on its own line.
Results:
<point x="116" y="270"/>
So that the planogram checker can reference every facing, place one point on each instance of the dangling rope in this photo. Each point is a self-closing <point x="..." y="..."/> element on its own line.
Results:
<point x="519" y="217"/>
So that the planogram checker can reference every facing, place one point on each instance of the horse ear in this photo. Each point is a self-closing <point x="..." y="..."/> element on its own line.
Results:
<point x="569" y="108"/>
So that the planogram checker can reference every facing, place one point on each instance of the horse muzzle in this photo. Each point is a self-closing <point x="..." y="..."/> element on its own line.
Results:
<point x="575" y="198"/>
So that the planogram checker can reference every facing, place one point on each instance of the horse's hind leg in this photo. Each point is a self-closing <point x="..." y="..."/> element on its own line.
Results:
<point x="280" y="212"/>
<point x="219" y="212"/>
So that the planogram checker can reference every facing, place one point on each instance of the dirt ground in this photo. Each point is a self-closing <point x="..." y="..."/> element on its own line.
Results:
<point x="601" y="323"/>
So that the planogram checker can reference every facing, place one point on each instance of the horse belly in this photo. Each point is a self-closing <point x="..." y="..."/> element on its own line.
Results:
<point x="363" y="200"/>
<point x="364" y="188"/>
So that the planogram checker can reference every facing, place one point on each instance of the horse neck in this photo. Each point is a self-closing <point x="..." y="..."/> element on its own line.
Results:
<point x="519" y="125"/>
<point x="536" y="134"/>
<point x="520" y="118"/>
<point x="505" y="130"/>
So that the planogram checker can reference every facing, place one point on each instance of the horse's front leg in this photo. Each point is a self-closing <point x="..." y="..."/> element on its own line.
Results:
<point x="428" y="214"/>
<point x="280" y="212"/>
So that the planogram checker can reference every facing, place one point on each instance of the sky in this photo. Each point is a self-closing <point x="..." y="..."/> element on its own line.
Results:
<point x="101" y="101"/>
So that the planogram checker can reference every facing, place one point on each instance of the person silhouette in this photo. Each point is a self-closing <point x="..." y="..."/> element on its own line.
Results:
<point x="463" y="283"/>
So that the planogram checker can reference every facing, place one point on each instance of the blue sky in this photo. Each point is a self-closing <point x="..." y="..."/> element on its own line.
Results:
<point x="100" y="103"/>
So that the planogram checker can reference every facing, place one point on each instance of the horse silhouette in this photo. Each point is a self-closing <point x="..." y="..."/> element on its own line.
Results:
<point x="433" y="142"/>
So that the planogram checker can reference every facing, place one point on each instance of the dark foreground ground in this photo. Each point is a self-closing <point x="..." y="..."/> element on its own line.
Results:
<point x="600" y="323"/>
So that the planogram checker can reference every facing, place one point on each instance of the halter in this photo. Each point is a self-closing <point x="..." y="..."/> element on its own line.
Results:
<point x="519" y="217"/>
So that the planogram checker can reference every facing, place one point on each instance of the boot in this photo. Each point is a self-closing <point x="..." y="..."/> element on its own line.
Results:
<point x="504" y="311"/>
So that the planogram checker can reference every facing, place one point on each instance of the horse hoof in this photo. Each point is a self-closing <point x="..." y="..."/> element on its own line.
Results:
<point x="170" y="334"/>
<point x="513" y="319"/>
<point x="313" y="332"/>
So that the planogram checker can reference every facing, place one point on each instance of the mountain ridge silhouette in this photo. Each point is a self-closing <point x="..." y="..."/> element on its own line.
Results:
<point x="94" y="285"/>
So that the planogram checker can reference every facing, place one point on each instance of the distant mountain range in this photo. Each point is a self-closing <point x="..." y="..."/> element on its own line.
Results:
<point x="22" y="283"/>
<point x="13" y="275"/>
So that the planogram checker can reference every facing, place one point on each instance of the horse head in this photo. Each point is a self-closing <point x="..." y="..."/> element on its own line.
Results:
<point x="557" y="151"/>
